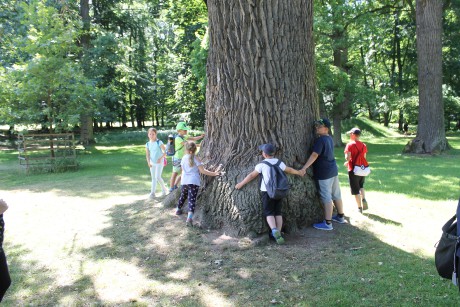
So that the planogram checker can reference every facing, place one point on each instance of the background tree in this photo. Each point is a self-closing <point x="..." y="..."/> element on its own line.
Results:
<point x="261" y="88"/>
<point x="50" y="87"/>
<point x="431" y="134"/>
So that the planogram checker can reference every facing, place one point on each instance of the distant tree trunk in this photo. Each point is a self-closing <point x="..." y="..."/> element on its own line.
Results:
<point x="261" y="88"/>
<point x="431" y="134"/>
<point x="86" y="120"/>
<point x="340" y="110"/>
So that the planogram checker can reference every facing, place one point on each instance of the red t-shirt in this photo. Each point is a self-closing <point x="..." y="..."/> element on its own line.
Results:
<point x="357" y="150"/>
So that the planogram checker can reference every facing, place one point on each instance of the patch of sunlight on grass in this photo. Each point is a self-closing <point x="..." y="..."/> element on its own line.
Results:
<point x="244" y="273"/>
<point x="181" y="274"/>
<point x="386" y="220"/>
<point x="116" y="281"/>
<point x="211" y="297"/>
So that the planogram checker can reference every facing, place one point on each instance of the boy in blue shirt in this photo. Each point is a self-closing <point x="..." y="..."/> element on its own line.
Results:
<point x="326" y="173"/>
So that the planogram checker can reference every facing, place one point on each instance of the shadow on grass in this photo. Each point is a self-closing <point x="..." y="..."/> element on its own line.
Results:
<point x="382" y="220"/>
<point x="345" y="267"/>
<point x="33" y="284"/>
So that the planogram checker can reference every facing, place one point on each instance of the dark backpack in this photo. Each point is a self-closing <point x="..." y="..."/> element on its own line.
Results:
<point x="447" y="254"/>
<point x="278" y="184"/>
<point x="171" y="147"/>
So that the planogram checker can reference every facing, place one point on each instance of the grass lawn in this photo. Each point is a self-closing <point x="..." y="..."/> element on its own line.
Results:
<point x="91" y="237"/>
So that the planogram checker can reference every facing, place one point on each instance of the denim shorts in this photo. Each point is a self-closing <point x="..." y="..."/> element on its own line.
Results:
<point x="176" y="165"/>
<point x="329" y="189"/>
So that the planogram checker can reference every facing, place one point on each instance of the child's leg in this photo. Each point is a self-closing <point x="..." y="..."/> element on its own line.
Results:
<point x="271" y="221"/>
<point x="173" y="180"/>
<point x="192" y="194"/>
<point x="178" y="180"/>
<point x="154" y="181"/>
<point x="183" y="196"/>
<point x="272" y="209"/>
<point x="279" y="222"/>
<point x="159" y="171"/>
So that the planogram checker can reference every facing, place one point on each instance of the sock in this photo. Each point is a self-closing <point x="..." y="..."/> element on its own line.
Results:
<point x="340" y="214"/>
<point x="328" y="222"/>
<point x="190" y="215"/>
<point x="274" y="230"/>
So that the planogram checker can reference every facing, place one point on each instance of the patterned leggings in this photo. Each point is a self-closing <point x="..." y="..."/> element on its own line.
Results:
<point x="190" y="191"/>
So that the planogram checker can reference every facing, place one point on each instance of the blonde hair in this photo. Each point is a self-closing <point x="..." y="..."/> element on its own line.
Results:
<point x="152" y="129"/>
<point x="191" y="148"/>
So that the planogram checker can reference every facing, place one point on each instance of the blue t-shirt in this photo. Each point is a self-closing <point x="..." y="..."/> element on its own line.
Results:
<point x="325" y="166"/>
<point x="155" y="150"/>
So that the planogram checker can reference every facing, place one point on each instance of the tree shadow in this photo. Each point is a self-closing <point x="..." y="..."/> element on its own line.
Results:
<point x="196" y="266"/>
<point x="381" y="219"/>
<point x="32" y="284"/>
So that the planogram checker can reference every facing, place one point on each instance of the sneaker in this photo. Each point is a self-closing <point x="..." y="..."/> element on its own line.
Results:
<point x="171" y="189"/>
<point x="339" y="219"/>
<point x="178" y="211"/>
<point x="360" y="209"/>
<point x="365" y="206"/>
<point x="279" y="239"/>
<point x="323" y="226"/>
<point x="164" y="192"/>
<point x="189" y="222"/>
<point x="152" y="196"/>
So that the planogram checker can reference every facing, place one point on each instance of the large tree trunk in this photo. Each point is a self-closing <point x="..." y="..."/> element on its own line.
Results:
<point x="431" y="134"/>
<point x="86" y="120"/>
<point x="261" y="88"/>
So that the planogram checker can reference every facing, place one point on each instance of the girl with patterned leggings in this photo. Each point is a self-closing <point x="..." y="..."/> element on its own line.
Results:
<point x="190" y="181"/>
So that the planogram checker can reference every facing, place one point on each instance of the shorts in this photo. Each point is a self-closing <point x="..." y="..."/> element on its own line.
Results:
<point x="356" y="182"/>
<point x="176" y="165"/>
<point x="272" y="207"/>
<point x="329" y="189"/>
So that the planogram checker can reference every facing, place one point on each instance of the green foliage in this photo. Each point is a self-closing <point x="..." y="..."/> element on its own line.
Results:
<point x="49" y="86"/>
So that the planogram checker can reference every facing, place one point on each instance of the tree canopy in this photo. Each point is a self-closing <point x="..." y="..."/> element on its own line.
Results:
<point x="137" y="61"/>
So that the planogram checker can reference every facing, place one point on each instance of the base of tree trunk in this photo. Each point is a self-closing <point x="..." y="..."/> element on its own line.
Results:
<point x="240" y="213"/>
<point x="417" y="146"/>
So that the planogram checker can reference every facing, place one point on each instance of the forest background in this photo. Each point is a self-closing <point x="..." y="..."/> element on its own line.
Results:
<point x="69" y="65"/>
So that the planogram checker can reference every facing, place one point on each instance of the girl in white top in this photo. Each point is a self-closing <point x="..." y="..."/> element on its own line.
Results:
<point x="155" y="154"/>
<point x="190" y="181"/>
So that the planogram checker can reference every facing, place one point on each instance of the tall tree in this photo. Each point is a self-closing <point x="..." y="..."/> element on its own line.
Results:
<point x="431" y="134"/>
<point x="86" y="120"/>
<point x="261" y="88"/>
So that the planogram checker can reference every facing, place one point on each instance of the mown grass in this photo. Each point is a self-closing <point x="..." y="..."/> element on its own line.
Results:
<point x="90" y="238"/>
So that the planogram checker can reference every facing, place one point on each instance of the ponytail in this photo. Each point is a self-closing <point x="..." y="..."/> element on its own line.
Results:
<point x="191" y="160"/>
<point x="191" y="148"/>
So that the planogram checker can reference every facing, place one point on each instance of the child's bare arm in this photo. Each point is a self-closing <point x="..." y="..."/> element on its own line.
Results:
<point x="292" y="171"/>
<point x="147" y="157"/>
<point x="248" y="178"/>
<point x="206" y="172"/>
<point x="196" y="138"/>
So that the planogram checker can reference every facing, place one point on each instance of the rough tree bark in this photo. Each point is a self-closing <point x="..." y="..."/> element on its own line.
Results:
<point x="261" y="88"/>
<point x="431" y="134"/>
<point x="86" y="120"/>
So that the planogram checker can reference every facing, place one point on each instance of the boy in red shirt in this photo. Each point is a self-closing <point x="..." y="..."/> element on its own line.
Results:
<point x="355" y="152"/>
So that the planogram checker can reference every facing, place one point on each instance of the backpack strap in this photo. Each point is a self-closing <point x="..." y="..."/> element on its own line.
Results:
<point x="359" y="154"/>
<point x="180" y="136"/>
<point x="262" y="176"/>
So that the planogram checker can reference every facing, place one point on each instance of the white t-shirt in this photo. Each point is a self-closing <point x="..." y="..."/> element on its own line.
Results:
<point x="265" y="170"/>
<point x="190" y="175"/>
